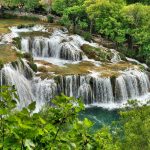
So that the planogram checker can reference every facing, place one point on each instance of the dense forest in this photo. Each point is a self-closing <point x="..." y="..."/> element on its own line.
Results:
<point x="57" y="126"/>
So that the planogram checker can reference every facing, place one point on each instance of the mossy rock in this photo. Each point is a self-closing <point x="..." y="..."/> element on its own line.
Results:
<point x="17" y="42"/>
<point x="97" y="54"/>
<point x="33" y="66"/>
<point x="35" y="34"/>
<point x="25" y="26"/>
<point x="28" y="56"/>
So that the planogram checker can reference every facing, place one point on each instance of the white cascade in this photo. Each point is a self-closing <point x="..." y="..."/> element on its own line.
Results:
<point x="13" y="76"/>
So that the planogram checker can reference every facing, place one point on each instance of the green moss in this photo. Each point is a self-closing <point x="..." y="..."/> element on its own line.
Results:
<point x="28" y="56"/>
<point x="98" y="54"/>
<point x="25" y="26"/>
<point x="50" y="19"/>
<point x="34" y="34"/>
<point x="17" y="42"/>
<point x="33" y="66"/>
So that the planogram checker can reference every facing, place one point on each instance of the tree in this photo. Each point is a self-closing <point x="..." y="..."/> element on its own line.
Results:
<point x="47" y="4"/>
<point x="136" y="20"/>
<point x="135" y="122"/>
<point x="29" y="5"/>
<point x="106" y="16"/>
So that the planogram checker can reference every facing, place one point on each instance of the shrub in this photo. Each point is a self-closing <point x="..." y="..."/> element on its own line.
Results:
<point x="50" y="19"/>
<point x="87" y="36"/>
<point x="28" y="56"/>
<point x="25" y="26"/>
<point x="33" y="18"/>
<point x="33" y="66"/>
<point x="17" y="42"/>
<point x="8" y="16"/>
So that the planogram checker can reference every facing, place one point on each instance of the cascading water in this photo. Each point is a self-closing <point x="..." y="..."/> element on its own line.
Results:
<point x="58" y="45"/>
<point x="44" y="91"/>
<point x="16" y="75"/>
<point x="129" y="85"/>
<point x="93" y="89"/>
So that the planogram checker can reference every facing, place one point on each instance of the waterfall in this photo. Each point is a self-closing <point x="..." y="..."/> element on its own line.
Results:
<point x="11" y="75"/>
<point x="92" y="88"/>
<point x="59" y="45"/>
<point x="43" y="90"/>
<point x="129" y="85"/>
<point x="103" y="90"/>
<point x="116" y="57"/>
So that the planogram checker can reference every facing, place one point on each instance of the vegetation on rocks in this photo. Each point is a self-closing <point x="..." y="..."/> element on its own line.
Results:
<point x="98" y="54"/>
<point x="7" y="54"/>
<point x="48" y="70"/>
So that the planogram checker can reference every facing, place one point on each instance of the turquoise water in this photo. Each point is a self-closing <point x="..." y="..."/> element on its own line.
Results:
<point x="99" y="116"/>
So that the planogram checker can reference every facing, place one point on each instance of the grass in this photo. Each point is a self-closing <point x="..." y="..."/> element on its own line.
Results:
<point x="7" y="54"/>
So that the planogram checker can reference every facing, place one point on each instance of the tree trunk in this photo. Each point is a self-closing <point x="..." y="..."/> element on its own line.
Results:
<point x="130" y="42"/>
<point x="91" y="26"/>
<point x="74" y="26"/>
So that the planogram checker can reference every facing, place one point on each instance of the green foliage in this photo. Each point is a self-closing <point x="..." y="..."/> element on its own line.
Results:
<point x="50" y="19"/>
<point x="136" y="120"/>
<point x="126" y="25"/>
<point x="58" y="126"/>
<point x="29" y="5"/>
<point x="87" y="36"/>
<point x="33" y="66"/>
<point x="33" y="18"/>
<point x="25" y="26"/>
<point x="28" y="56"/>
<point x="8" y="16"/>
<point x="17" y="42"/>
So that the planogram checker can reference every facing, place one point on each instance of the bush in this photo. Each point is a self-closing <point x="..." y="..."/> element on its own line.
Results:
<point x="33" y="66"/>
<point x="17" y="42"/>
<point x="33" y="18"/>
<point x="28" y="56"/>
<point x="25" y="26"/>
<point x="87" y="36"/>
<point x="8" y="16"/>
<point x="50" y="19"/>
